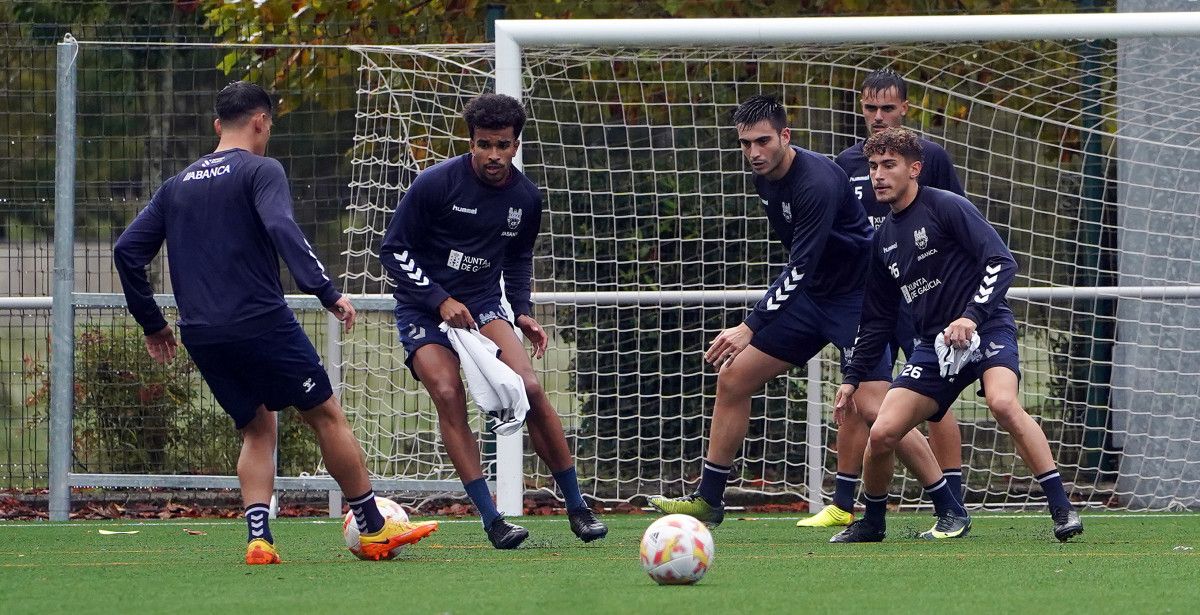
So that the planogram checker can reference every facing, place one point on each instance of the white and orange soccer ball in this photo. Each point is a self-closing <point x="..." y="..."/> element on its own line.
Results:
<point x="389" y="510"/>
<point x="677" y="550"/>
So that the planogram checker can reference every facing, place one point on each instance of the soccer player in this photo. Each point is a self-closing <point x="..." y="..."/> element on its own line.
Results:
<point x="465" y="223"/>
<point x="938" y="255"/>
<point x="884" y="105"/>
<point x="815" y="301"/>
<point x="226" y="220"/>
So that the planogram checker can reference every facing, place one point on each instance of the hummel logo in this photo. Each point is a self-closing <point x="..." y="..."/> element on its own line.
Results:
<point x="411" y="270"/>
<point x="416" y="332"/>
<point x="783" y="292"/>
<point x="465" y="210"/>
<point x="993" y="349"/>
<point x="308" y="385"/>
<point x="985" y="289"/>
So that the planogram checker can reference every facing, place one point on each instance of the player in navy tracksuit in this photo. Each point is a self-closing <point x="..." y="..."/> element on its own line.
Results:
<point x="464" y="224"/>
<point x="884" y="105"/>
<point x="226" y="220"/>
<point x="936" y="254"/>
<point x="814" y="302"/>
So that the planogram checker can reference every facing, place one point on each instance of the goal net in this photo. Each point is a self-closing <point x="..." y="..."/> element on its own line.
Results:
<point x="1080" y="152"/>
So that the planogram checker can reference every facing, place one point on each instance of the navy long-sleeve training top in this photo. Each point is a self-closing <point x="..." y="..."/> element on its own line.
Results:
<point x="937" y="171"/>
<point x="814" y="214"/>
<point x="944" y="261"/>
<point x="226" y="219"/>
<point x="453" y="235"/>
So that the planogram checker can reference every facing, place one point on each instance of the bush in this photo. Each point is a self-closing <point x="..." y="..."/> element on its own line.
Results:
<point x="135" y="416"/>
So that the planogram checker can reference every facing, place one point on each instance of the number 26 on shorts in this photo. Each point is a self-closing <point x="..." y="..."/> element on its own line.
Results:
<point x="912" y="371"/>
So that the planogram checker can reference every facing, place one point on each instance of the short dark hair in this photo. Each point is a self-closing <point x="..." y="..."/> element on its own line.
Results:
<point x="884" y="79"/>
<point x="897" y="140"/>
<point x="494" y="112"/>
<point x="758" y="108"/>
<point x="239" y="100"/>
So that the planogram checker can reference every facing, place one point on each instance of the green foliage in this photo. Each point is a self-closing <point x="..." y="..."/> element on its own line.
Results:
<point x="133" y="415"/>
<point x="311" y="74"/>
<point x="128" y="408"/>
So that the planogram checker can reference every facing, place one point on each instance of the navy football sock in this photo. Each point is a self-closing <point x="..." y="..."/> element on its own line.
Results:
<point x="568" y="483"/>
<point x="1052" y="486"/>
<point x="482" y="499"/>
<point x="943" y="499"/>
<point x="256" y="523"/>
<point x="712" y="482"/>
<point x="366" y="513"/>
<point x="954" y="479"/>
<point x="844" y="486"/>
<point x="875" y="507"/>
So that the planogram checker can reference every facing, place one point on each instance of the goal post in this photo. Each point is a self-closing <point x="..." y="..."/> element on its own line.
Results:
<point x="1069" y="136"/>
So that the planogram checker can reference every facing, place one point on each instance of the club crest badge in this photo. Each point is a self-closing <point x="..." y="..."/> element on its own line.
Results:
<point x="514" y="217"/>
<point x="921" y="238"/>
<point x="786" y="209"/>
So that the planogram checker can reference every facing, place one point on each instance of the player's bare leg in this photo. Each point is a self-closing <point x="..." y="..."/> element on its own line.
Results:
<point x="437" y="367"/>
<point x="913" y="450"/>
<point x="256" y="462"/>
<point x="341" y="451"/>
<point x="546" y="431"/>
<point x="344" y="459"/>
<point x="1000" y="391"/>
<point x="901" y="411"/>
<point x="256" y="475"/>
<point x="737" y="383"/>
<point x="945" y="439"/>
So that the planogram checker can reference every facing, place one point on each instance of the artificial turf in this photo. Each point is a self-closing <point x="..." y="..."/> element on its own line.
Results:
<point x="1009" y="564"/>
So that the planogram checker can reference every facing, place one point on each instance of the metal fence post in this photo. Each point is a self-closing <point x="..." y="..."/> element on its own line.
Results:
<point x="333" y="368"/>
<point x="815" y="444"/>
<point x="62" y="336"/>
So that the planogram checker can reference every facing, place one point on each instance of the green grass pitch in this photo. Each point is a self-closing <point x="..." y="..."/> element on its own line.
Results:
<point x="1010" y="563"/>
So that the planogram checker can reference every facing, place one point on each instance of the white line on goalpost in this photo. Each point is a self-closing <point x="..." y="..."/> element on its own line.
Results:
<point x="512" y="35"/>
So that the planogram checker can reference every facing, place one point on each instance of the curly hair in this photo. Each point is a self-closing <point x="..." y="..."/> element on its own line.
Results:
<point x="494" y="112"/>
<point x="759" y="108"/>
<point x="901" y="141"/>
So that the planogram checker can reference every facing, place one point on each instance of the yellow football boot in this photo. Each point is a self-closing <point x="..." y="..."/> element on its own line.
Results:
<point x="259" y="551"/>
<point x="830" y="516"/>
<point x="393" y="534"/>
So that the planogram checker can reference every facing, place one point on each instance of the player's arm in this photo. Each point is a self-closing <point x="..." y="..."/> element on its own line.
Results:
<point x="273" y="203"/>
<point x="517" y="269"/>
<point x="135" y="248"/>
<point x="881" y="306"/>
<point x="813" y="213"/>
<point x="998" y="268"/>
<point x="406" y="231"/>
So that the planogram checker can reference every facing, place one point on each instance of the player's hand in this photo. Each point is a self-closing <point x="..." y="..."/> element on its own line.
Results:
<point x="843" y="403"/>
<point x="343" y="311"/>
<point x="959" y="333"/>
<point x="162" y="345"/>
<point x="728" y="345"/>
<point x="535" y="333"/>
<point x="456" y="314"/>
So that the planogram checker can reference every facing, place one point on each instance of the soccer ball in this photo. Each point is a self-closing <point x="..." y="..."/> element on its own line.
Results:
<point x="677" y="550"/>
<point x="389" y="510"/>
